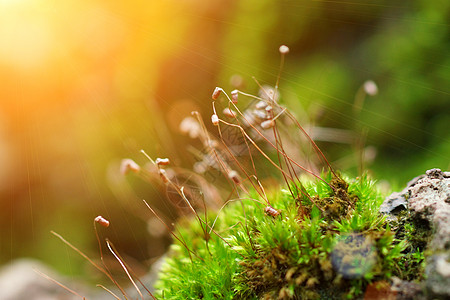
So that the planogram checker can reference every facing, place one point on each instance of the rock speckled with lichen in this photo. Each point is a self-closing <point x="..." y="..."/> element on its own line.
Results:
<point x="426" y="201"/>
<point x="430" y="200"/>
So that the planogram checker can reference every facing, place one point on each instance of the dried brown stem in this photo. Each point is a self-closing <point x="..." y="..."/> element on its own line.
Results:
<point x="58" y="283"/>
<point x="91" y="262"/>
<point x="108" y="243"/>
<point x="108" y="290"/>
<point x="270" y="143"/>
<point x="181" y="240"/>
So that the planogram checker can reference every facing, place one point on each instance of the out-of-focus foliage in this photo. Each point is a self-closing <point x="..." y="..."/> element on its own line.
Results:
<point x="86" y="83"/>
<point x="335" y="47"/>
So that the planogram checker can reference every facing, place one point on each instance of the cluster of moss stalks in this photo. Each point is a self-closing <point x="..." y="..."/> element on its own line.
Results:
<point x="331" y="244"/>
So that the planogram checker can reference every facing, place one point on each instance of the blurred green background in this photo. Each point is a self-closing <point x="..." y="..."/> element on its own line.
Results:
<point x="84" y="84"/>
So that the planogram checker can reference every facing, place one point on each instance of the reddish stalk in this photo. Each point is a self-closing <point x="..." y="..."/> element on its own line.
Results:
<point x="172" y="233"/>
<point x="58" y="283"/>
<point x="180" y="192"/>
<point x="108" y="243"/>
<point x="131" y="271"/>
<point x="251" y="157"/>
<point x="270" y="160"/>
<point x="108" y="290"/>
<point x="270" y="143"/>
<point x="91" y="262"/>
<point x="239" y="164"/>
<point x="316" y="148"/>
<point x="288" y="166"/>
<point x="226" y="168"/>
<point x="200" y="219"/>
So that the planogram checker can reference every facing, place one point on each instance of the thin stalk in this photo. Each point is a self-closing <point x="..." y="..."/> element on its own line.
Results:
<point x="108" y="243"/>
<point x="172" y="233"/>
<point x="316" y="148"/>
<point x="58" y="283"/>
<point x="270" y="160"/>
<point x="91" y="262"/>
<point x="270" y="143"/>
<point x="108" y="290"/>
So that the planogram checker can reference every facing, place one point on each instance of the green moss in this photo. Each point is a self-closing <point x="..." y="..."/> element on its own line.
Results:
<point x="416" y="234"/>
<point x="329" y="246"/>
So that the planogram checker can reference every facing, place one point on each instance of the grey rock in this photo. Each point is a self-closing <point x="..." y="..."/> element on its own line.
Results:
<point x="430" y="200"/>
<point x="406" y="290"/>
<point x="413" y="182"/>
<point x="20" y="280"/>
<point x="398" y="201"/>
<point x="394" y="204"/>
<point x="427" y="198"/>
<point x="438" y="276"/>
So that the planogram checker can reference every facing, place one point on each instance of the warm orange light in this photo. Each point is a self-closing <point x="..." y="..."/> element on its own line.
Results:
<point x="25" y="44"/>
<point x="85" y="50"/>
<point x="26" y="37"/>
<point x="11" y="2"/>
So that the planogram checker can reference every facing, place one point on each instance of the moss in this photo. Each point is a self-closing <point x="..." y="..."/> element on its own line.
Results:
<point x="339" y="203"/>
<point x="334" y="246"/>
<point x="416" y="233"/>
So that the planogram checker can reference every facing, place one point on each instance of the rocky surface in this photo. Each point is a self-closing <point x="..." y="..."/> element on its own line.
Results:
<point x="429" y="199"/>
<point x="397" y="201"/>
<point x="20" y="280"/>
<point x="426" y="200"/>
<point x="25" y="279"/>
<point x="437" y="272"/>
<point x="405" y="290"/>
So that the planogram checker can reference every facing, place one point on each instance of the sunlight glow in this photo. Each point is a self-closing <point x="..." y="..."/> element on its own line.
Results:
<point x="26" y="35"/>
<point x="25" y="44"/>
<point x="11" y="2"/>
<point x="51" y="46"/>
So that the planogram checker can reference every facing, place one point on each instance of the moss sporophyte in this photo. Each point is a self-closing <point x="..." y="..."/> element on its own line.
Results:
<point x="315" y="235"/>
<point x="320" y="237"/>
